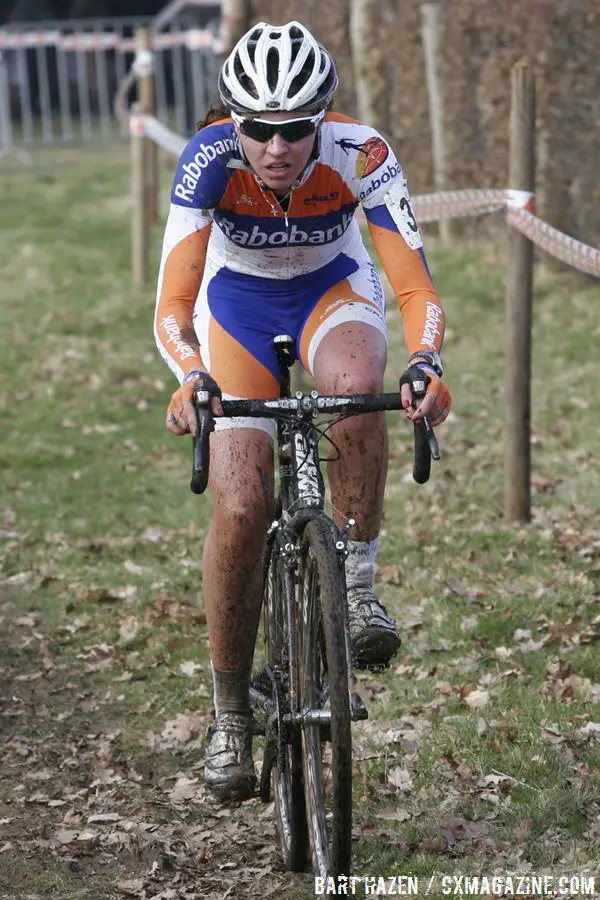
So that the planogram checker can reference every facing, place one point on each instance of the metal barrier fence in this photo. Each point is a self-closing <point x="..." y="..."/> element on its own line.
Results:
<point x="58" y="80"/>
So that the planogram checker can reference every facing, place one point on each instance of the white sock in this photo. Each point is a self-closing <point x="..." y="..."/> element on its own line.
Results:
<point x="231" y="690"/>
<point x="361" y="563"/>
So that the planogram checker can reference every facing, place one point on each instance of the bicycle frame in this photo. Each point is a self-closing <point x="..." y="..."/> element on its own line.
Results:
<point x="311" y="664"/>
<point x="301" y="489"/>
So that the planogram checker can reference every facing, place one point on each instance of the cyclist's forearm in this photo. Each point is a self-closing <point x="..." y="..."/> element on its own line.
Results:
<point x="175" y="337"/>
<point x="180" y="276"/>
<point x="423" y="321"/>
<point x="408" y="273"/>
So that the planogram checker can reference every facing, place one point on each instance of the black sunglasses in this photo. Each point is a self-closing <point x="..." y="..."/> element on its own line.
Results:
<point x="291" y="130"/>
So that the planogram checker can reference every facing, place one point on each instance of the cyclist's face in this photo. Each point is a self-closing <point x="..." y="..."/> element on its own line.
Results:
<point x="278" y="162"/>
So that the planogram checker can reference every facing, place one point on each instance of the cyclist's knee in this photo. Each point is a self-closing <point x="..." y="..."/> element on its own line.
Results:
<point x="243" y="500"/>
<point x="242" y="515"/>
<point x="346" y="381"/>
<point x="351" y="359"/>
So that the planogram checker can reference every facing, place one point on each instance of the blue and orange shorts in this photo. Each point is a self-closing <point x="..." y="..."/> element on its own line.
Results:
<point x="237" y="316"/>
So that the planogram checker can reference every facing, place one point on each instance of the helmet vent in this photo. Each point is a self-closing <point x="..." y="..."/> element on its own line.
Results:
<point x="252" y="51"/>
<point x="242" y="77"/>
<point x="272" y="68"/>
<point x="302" y="77"/>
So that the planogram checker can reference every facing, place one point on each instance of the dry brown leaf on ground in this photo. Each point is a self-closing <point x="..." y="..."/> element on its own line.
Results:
<point x="477" y="699"/>
<point x="104" y="818"/>
<point x="400" y="778"/>
<point x="551" y="734"/>
<point x="190" y="668"/>
<point x="393" y="814"/>
<point x="30" y="620"/>
<point x="179" y="731"/>
<point x="185" y="789"/>
<point x="128" y="630"/>
<point x="591" y="731"/>
<point x="131" y="887"/>
<point x="64" y="836"/>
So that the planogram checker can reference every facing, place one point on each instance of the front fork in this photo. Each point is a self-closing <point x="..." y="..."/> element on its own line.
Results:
<point x="291" y="558"/>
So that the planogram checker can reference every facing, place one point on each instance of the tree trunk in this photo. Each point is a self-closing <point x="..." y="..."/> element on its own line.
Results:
<point x="236" y="19"/>
<point x="368" y="63"/>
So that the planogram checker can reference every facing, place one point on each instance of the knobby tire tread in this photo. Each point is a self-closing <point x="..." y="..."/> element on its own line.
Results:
<point x="324" y="629"/>
<point x="291" y="814"/>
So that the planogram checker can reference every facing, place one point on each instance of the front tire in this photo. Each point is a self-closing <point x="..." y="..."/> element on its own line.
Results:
<point x="324" y="682"/>
<point x="285" y="758"/>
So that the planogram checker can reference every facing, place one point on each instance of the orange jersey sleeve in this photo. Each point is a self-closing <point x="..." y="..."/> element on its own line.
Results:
<point x="422" y="312"/>
<point x="182" y="267"/>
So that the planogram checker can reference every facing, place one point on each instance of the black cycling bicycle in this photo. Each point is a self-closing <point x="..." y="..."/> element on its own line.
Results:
<point x="304" y="697"/>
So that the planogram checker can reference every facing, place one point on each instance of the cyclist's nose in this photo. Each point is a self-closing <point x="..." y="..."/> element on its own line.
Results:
<point x="277" y="146"/>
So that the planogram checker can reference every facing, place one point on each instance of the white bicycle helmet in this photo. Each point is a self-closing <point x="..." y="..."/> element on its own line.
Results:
<point x="277" y="67"/>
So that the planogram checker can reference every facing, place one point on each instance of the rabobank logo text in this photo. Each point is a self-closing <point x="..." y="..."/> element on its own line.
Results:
<point x="391" y="171"/>
<point x="190" y="172"/>
<point x="260" y="235"/>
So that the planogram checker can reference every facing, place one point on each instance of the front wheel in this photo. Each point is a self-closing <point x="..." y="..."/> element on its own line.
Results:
<point x="283" y="749"/>
<point x="324" y="685"/>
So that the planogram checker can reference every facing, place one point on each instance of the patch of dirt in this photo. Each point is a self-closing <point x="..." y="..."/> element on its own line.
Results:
<point x="81" y="818"/>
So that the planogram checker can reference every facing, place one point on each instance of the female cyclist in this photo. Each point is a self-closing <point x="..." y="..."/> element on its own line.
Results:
<point x="261" y="240"/>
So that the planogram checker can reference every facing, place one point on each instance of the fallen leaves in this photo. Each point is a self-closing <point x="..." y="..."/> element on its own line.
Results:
<point x="190" y="668"/>
<point x="186" y="789"/>
<point x="179" y="731"/>
<point x="477" y="699"/>
<point x="400" y="778"/>
<point x="591" y="730"/>
<point x="562" y="683"/>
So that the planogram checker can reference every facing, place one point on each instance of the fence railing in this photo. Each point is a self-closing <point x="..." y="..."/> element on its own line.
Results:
<point x="58" y="79"/>
<point x="525" y="229"/>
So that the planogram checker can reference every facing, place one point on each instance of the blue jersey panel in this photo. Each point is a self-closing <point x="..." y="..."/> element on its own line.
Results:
<point x="254" y="231"/>
<point x="380" y="215"/>
<point x="254" y="310"/>
<point x="202" y="173"/>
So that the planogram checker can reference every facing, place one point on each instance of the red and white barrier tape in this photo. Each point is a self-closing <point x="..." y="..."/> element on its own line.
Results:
<point x="556" y="243"/>
<point x="445" y="205"/>
<point x="455" y="204"/>
<point x="519" y="212"/>
<point x="86" y="42"/>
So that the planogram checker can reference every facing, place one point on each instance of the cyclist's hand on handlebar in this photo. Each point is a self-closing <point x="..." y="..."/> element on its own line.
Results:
<point x="181" y="414"/>
<point x="437" y="400"/>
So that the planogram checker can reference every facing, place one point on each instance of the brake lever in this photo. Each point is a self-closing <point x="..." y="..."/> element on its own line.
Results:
<point x="201" y="465"/>
<point x="418" y="387"/>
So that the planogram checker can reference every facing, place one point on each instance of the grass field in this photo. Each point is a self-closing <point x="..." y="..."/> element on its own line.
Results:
<point x="481" y="754"/>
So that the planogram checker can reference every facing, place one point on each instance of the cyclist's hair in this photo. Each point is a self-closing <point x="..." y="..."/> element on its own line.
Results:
<point x="216" y="111"/>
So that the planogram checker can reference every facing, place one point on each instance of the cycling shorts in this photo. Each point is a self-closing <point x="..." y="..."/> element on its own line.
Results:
<point x="237" y="316"/>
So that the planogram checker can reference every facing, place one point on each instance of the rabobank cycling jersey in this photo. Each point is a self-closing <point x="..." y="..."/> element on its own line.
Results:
<point x="223" y="220"/>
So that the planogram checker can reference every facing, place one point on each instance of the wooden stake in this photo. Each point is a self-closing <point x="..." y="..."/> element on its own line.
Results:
<point x="140" y="225"/>
<point x="430" y="35"/>
<point x="146" y="98"/>
<point x="519" y="302"/>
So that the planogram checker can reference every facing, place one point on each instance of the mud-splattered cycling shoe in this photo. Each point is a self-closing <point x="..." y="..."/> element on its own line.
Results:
<point x="374" y="638"/>
<point x="228" y="764"/>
